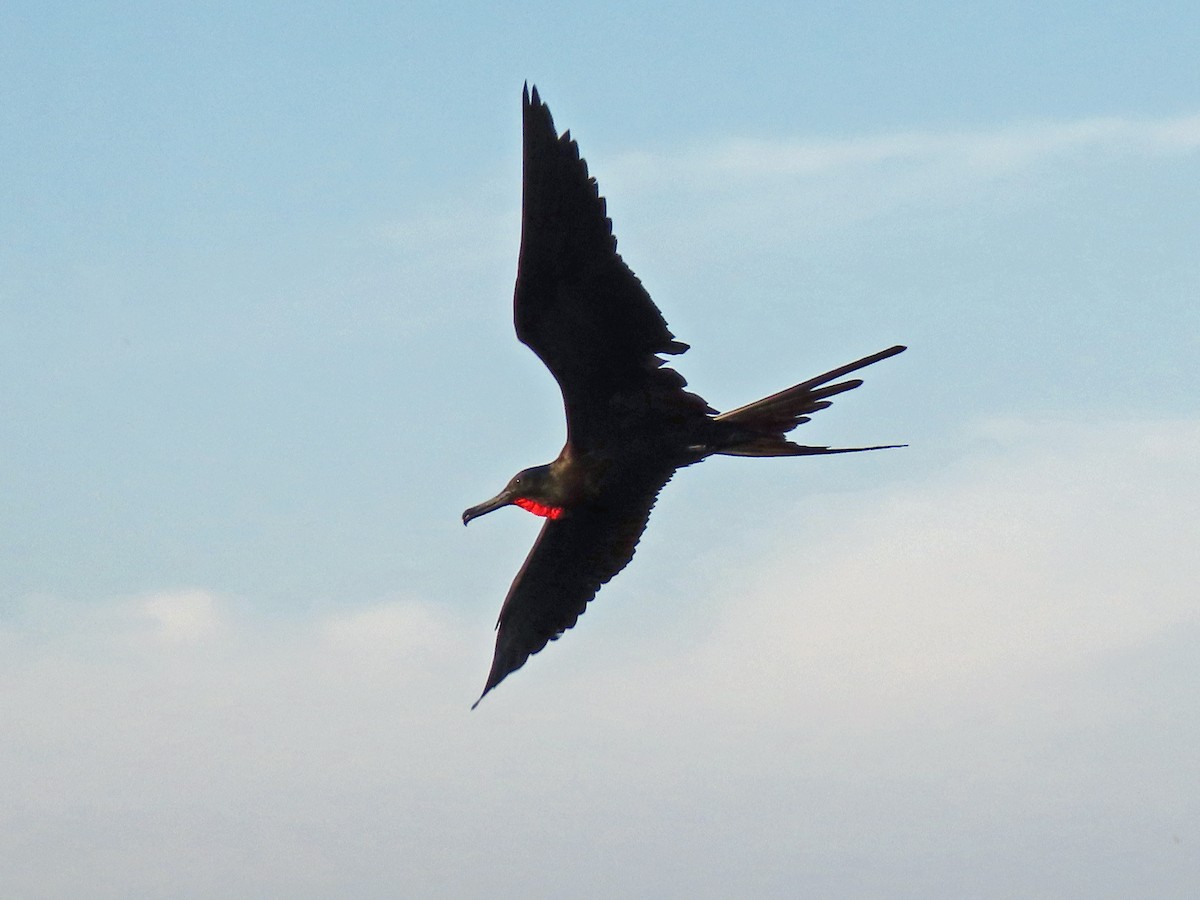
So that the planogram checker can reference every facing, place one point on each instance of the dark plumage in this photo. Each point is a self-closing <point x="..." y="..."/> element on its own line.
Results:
<point x="630" y="421"/>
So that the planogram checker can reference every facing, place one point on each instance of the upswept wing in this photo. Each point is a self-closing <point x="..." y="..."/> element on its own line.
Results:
<point x="577" y="305"/>
<point x="572" y="557"/>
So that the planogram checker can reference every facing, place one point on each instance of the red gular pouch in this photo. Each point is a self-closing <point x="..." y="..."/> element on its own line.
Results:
<point x="539" y="509"/>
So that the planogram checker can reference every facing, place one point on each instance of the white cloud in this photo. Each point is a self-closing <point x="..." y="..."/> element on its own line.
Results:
<point x="978" y="685"/>
<point x="771" y="190"/>
<point x="988" y="152"/>
<point x="184" y="616"/>
<point x="1069" y="545"/>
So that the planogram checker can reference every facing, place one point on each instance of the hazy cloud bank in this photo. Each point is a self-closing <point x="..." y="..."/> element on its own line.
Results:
<point x="975" y="686"/>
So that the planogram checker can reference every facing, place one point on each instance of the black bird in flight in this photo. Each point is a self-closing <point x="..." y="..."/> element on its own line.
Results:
<point x="630" y="423"/>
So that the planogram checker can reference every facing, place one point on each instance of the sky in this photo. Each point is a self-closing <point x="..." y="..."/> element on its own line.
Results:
<point x="256" y="356"/>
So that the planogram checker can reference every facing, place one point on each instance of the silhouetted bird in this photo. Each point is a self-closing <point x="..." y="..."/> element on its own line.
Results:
<point x="630" y="423"/>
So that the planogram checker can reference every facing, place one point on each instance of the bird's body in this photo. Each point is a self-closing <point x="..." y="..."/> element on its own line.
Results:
<point x="630" y="422"/>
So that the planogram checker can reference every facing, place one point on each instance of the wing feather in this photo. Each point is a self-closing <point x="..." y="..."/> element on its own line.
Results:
<point x="577" y="305"/>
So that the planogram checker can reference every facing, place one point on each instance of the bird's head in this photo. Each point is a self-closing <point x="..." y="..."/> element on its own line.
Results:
<point x="535" y="490"/>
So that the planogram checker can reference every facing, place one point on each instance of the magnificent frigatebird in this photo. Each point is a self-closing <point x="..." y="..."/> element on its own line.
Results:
<point x="630" y="423"/>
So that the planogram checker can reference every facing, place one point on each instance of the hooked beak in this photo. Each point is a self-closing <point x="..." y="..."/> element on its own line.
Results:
<point x="504" y="498"/>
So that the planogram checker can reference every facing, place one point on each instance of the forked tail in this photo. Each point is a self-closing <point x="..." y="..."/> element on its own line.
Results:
<point x="759" y="427"/>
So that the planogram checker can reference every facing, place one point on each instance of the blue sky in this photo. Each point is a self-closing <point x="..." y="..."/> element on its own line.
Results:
<point x="256" y="356"/>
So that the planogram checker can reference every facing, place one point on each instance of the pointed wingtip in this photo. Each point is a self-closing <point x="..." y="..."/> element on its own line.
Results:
<point x="501" y="669"/>
<point x="481" y="696"/>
